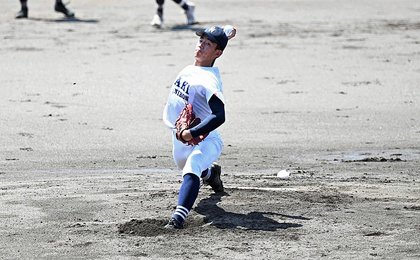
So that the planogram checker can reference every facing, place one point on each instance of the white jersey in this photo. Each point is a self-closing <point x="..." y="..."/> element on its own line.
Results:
<point x="194" y="85"/>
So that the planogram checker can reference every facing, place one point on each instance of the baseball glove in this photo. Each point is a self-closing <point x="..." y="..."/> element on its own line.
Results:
<point x="187" y="120"/>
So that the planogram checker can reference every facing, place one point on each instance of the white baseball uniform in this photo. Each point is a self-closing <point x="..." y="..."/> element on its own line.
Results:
<point x="195" y="85"/>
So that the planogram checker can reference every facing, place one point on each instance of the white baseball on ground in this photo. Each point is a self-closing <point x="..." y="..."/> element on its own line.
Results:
<point x="283" y="174"/>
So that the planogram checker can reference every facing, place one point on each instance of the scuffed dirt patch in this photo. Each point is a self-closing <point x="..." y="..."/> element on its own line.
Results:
<point x="156" y="227"/>
<point x="144" y="227"/>
<point x="376" y="159"/>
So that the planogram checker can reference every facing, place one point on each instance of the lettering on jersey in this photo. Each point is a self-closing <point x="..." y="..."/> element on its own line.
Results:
<point x="181" y="89"/>
<point x="180" y="94"/>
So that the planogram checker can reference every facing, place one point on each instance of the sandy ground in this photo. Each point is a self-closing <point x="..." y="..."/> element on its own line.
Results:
<point x="325" y="89"/>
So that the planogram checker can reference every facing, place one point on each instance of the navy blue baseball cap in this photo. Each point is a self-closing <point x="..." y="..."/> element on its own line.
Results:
<point x="215" y="34"/>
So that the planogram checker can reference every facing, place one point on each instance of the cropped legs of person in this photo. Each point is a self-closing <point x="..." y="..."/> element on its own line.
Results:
<point x="58" y="7"/>
<point x="188" y="8"/>
<point x="23" y="13"/>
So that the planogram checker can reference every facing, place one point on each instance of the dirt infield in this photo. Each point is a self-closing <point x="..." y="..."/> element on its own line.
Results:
<point x="327" y="90"/>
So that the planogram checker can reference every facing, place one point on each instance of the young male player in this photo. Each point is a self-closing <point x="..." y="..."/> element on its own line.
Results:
<point x="200" y="85"/>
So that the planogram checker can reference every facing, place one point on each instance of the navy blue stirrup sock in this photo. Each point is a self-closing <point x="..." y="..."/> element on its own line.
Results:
<point x="187" y="195"/>
<point x="189" y="190"/>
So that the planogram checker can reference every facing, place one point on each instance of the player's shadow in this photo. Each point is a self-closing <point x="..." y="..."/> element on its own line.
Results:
<point x="220" y="218"/>
<point x="64" y="20"/>
<point x="186" y="27"/>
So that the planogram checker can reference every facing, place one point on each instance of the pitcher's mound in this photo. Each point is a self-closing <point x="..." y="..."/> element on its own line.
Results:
<point x="155" y="227"/>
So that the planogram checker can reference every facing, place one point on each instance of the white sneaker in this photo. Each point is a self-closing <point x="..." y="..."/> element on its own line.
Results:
<point x="157" y="21"/>
<point x="190" y="14"/>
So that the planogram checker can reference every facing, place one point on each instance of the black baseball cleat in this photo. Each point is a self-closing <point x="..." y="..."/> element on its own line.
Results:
<point x="23" y="13"/>
<point x="214" y="181"/>
<point x="174" y="224"/>
<point x="61" y="8"/>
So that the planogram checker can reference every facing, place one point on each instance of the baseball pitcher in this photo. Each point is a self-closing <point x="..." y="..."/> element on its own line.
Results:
<point x="194" y="110"/>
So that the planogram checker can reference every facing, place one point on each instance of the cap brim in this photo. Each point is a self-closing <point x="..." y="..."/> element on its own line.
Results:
<point x="209" y="36"/>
